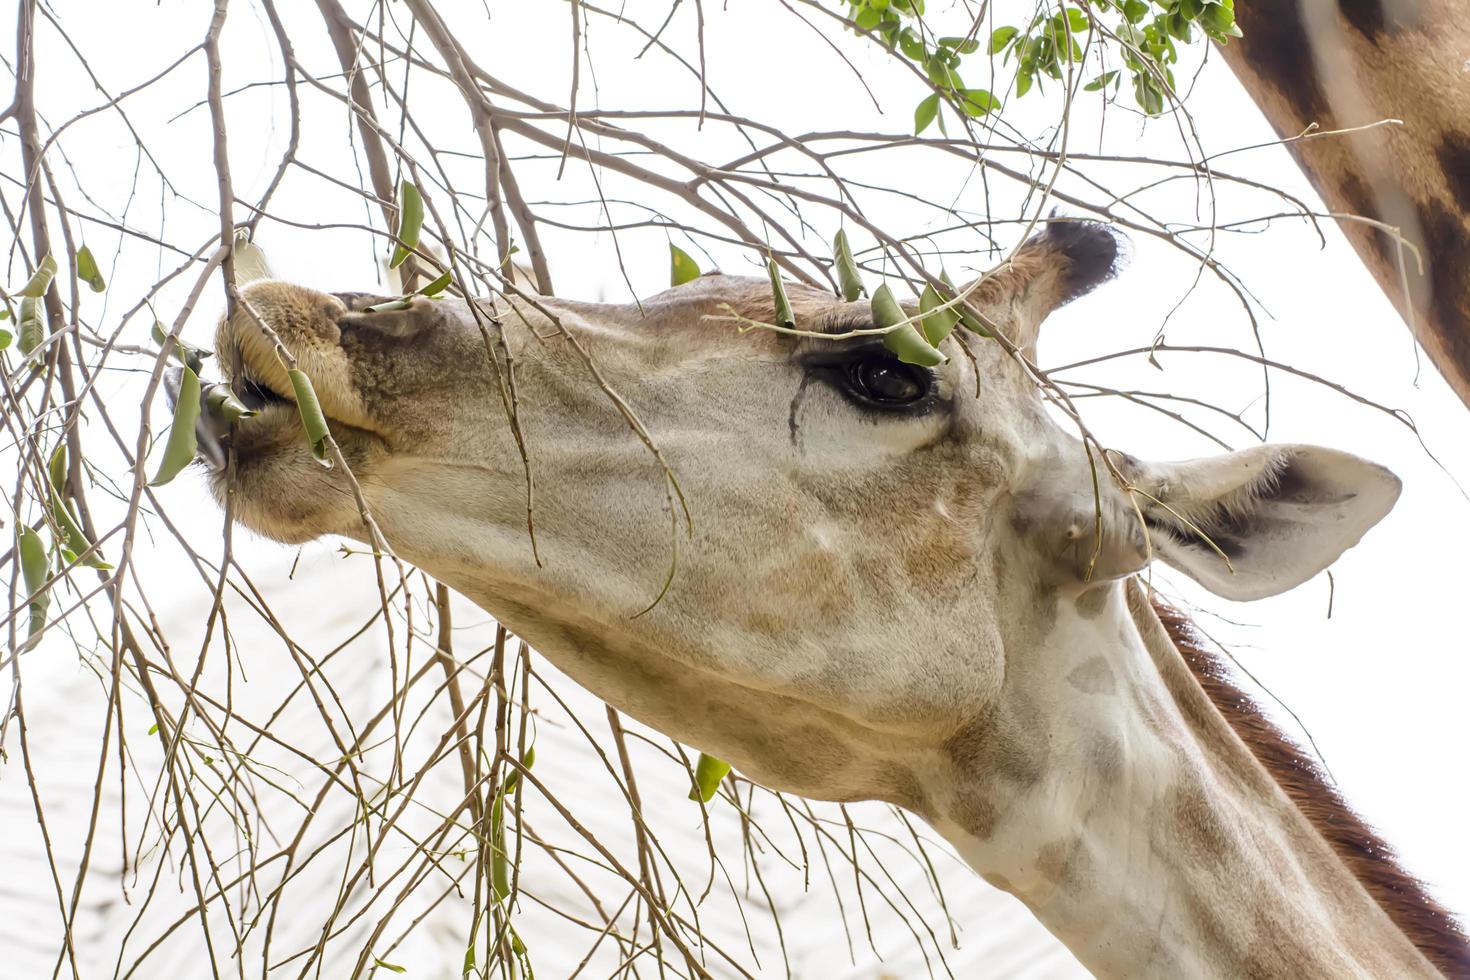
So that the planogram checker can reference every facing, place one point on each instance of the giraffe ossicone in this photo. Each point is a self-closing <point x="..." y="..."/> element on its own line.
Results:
<point x="899" y="583"/>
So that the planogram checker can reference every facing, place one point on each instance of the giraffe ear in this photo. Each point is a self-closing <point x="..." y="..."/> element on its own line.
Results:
<point x="1260" y="521"/>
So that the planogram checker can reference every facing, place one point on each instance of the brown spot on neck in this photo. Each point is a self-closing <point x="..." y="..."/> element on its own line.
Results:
<point x="1093" y="677"/>
<point x="1276" y="47"/>
<point x="1444" y="239"/>
<point x="1376" y="18"/>
<point x="1453" y="153"/>
<point x="1060" y="860"/>
<point x="1426" y="923"/>
<point x="1093" y="601"/>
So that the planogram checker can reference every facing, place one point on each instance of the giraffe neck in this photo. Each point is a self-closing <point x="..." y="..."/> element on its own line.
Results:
<point x="1141" y="831"/>
<point x="1351" y="63"/>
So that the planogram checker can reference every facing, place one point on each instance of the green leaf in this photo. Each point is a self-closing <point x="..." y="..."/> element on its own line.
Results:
<point x="410" y="221"/>
<point x="905" y="341"/>
<point x="867" y="18"/>
<point x="528" y="760"/>
<point x="438" y="285"/>
<point x="681" y="267"/>
<point x="911" y="45"/>
<point x="153" y="728"/>
<point x="5" y="338"/>
<point x="1077" y="20"/>
<point x="925" y="112"/>
<point x="40" y="280"/>
<point x="1220" y="20"/>
<point x="707" y="775"/>
<point x="1179" y="27"/>
<point x="936" y="325"/>
<point x="911" y="348"/>
<point x="964" y="45"/>
<point x="310" y="410"/>
<point x="35" y="569"/>
<point x="384" y="964"/>
<point x="32" y="324"/>
<point x="71" y="531"/>
<point x="943" y="75"/>
<point x="1100" y="81"/>
<point x="56" y="468"/>
<point x="847" y="271"/>
<point x="1000" y="37"/>
<point x="1147" y="93"/>
<point x="183" y="443"/>
<point x="87" y="270"/>
<point x="784" y="316"/>
<point x="978" y="102"/>
<point x="220" y="403"/>
<point x="499" y="860"/>
<point x="1023" y="82"/>
<point x="885" y="309"/>
<point x="389" y="306"/>
<point x="973" y="323"/>
<point x="1134" y="10"/>
<point x="77" y="542"/>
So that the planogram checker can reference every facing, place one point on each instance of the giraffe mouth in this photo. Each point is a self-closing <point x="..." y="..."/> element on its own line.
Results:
<point x="214" y="428"/>
<point x="256" y="394"/>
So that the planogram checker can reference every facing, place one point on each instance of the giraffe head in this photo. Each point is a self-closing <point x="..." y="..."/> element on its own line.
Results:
<point x="832" y="561"/>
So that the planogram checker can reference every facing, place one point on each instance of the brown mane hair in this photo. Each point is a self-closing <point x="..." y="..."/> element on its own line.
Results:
<point x="1426" y="923"/>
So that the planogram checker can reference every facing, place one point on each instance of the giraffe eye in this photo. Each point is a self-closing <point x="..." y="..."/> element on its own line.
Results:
<point x="883" y="381"/>
<point x="873" y="379"/>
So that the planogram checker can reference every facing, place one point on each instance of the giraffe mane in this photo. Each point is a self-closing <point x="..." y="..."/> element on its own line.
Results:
<point x="1406" y="899"/>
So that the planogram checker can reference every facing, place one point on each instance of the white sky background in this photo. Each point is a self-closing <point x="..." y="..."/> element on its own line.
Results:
<point x="1380" y="684"/>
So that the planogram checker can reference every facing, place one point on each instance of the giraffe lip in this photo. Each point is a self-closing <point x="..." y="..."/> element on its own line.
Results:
<point x="252" y="386"/>
<point x="212" y="433"/>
